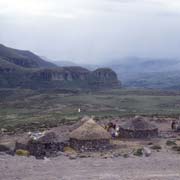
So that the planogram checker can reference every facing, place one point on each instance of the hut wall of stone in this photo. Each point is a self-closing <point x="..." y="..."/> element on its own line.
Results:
<point x="127" y="133"/>
<point x="89" y="145"/>
<point x="40" y="150"/>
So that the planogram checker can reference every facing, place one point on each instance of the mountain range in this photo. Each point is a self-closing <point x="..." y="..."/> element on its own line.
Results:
<point x="24" y="69"/>
<point x="148" y="73"/>
<point x="19" y="68"/>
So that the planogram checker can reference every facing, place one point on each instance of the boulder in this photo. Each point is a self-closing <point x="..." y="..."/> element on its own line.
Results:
<point x="7" y="146"/>
<point x="146" y="151"/>
<point x="73" y="156"/>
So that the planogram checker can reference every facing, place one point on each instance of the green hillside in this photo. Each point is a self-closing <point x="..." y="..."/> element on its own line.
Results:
<point x="22" y="58"/>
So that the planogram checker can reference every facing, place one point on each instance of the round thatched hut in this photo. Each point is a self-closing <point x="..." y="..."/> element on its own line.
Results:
<point x="138" y="128"/>
<point x="89" y="137"/>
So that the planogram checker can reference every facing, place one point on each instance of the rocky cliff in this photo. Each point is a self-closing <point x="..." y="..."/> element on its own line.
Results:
<point x="76" y="77"/>
<point x="104" y="77"/>
<point x="24" y="69"/>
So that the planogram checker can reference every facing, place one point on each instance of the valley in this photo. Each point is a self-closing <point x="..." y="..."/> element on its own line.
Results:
<point x="23" y="109"/>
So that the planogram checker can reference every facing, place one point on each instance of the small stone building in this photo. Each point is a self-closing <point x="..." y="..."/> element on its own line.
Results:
<point x="89" y="137"/>
<point x="45" y="145"/>
<point x="138" y="128"/>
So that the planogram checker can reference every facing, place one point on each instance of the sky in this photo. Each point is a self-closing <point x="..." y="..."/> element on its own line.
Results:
<point x="92" y="31"/>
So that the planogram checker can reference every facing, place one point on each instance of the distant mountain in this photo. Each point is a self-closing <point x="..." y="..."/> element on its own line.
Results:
<point x="64" y="63"/>
<point x="90" y="67"/>
<point x="158" y="80"/>
<point x="23" y="58"/>
<point x="76" y="77"/>
<point x="147" y="73"/>
<point x="8" y="66"/>
<point x="60" y="63"/>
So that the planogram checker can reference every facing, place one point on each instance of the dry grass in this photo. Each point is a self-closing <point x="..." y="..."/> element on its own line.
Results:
<point x="90" y="130"/>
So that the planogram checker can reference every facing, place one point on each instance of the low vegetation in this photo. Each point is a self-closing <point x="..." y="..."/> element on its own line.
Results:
<point x="28" y="109"/>
<point x="138" y="152"/>
<point x="176" y="148"/>
<point x="170" y="143"/>
<point x="156" y="147"/>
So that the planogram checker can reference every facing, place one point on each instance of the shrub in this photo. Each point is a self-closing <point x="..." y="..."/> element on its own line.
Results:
<point x="176" y="148"/>
<point x="156" y="147"/>
<point x="21" y="152"/>
<point x="138" y="152"/>
<point x="170" y="143"/>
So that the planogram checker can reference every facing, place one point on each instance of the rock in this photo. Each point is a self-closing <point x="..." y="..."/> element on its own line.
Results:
<point x="73" y="156"/>
<point x="116" y="154"/>
<point x="125" y="155"/>
<point x="60" y="153"/>
<point x="8" y="147"/>
<point x="46" y="159"/>
<point x="146" y="151"/>
<point x="2" y="153"/>
<point x="178" y="129"/>
<point x="3" y="130"/>
<point x="107" y="155"/>
<point x="156" y="147"/>
<point x="83" y="155"/>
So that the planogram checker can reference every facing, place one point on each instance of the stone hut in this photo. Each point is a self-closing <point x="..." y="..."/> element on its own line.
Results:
<point x="138" y="128"/>
<point x="45" y="144"/>
<point x="90" y="137"/>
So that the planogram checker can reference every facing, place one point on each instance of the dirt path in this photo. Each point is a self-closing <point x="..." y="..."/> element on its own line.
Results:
<point x="160" y="166"/>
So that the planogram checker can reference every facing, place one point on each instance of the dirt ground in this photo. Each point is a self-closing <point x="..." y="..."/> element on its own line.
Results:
<point x="163" y="164"/>
<point x="160" y="166"/>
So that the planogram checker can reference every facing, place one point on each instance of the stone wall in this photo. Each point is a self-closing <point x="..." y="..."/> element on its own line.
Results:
<point x="40" y="150"/>
<point x="89" y="145"/>
<point x="126" y="133"/>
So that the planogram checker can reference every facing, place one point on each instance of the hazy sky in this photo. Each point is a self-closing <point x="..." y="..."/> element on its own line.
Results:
<point x="91" y="31"/>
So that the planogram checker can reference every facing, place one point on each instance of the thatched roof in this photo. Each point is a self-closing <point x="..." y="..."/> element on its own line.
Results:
<point x="90" y="130"/>
<point x="138" y="123"/>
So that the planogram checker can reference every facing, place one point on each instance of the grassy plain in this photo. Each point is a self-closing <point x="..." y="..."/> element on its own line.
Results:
<point x="27" y="109"/>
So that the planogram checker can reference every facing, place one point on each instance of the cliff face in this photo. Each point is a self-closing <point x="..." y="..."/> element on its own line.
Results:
<point x="24" y="69"/>
<point x="104" y="77"/>
<point x="66" y="77"/>
<point x="62" y="74"/>
<point x="77" y="77"/>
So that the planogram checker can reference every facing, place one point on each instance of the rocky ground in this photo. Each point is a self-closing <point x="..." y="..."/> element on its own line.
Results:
<point x="124" y="161"/>
<point x="159" y="166"/>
